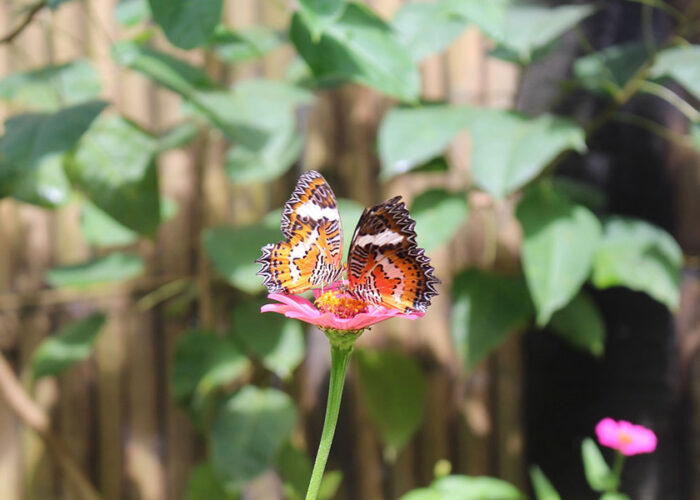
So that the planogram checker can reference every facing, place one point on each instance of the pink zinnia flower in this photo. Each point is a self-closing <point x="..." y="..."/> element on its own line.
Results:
<point x="627" y="438"/>
<point x="334" y="310"/>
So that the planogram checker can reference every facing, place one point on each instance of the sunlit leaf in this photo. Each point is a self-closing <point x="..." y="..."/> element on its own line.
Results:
<point x="476" y="488"/>
<point x="598" y="473"/>
<point x="245" y="44"/>
<point x="233" y="252"/>
<point x="509" y="149"/>
<point x="129" y="13"/>
<point x="71" y="344"/>
<point x="46" y="185"/>
<point x="408" y="137"/>
<point x="425" y="28"/>
<point x="114" y="267"/>
<point x="485" y="308"/>
<point x="438" y="214"/>
<point x="489" y="16"/>
<point x="580" y="324"/>
<point x="394" y="389"/>
<point x="114" y="166"/>
<point x="100" y="229"/>
<point x="609" y="70"/>
<point x="204" y="484"/>
<point x="246" y="165"/>
<point x="543" y="488"/>
<point x="560" y="240"/>
<point x="640" y="256"/>
<point x="614" y="496"/>
<point x="51" y="88"/>
<point x="423" y="494"/>
<point x="203" y="361"/>
<point x="529" y="27"/>
<point x="320" y="14"/>
<point x="359" y="47"/>
<point x="248" y="432"/>
<point x="186" y="23"/>
<point x="277" y="341"/>
<point x="681" y="63"/>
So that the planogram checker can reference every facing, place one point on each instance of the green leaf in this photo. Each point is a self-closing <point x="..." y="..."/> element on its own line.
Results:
<point x="164" y="69"/>
<point x="485" y="308"/>
<point x="583" y="193"/>
<point x="114" y="166"/>
<point x="99" y="228"/>
<point x="423" y="494"/>
<point x="682" y="64"/>
<point x="52" y="87"/>
<point x="32" y="139"/>
<point x="640" y="256"/>
<point x="233" y="252"/>
<point x="489" y="16"/>
<point x="177" y="136"/>
<point x="580" y="324"/>
<point x="129" y="13"/>
<point x="329" y="484"/>
<point x="46" y="185"/>
<point x="560" y="241"/>
<point x="531" y="27"/>
<point x="295" y="468"/>
<point x="187" y="24"/>
<point x="614" y="496"/>
<point x="249" y="431"/>
<point x="608" y="71"/>
<point x="438" y="215"/>
<point x="245" y="44"/>
<point x="203" y="362"/>
<point x="71" y="344"/>
<point x="543" y="488"/>
<point x="319" y="14"/>
<point x="598" y="473"/>
<point x="359" y="47"/>
<point x="509" y="149"/>
<point x="277" y="341"/>
<point x="246" y="165"/>
<point x="114" y="267"/>
<point x="393" y="386"/>
<point x="204" y="484"/>
<point x="426" y="28"/>
<point x="476" y="488"/>
<point x="408" y="137"/>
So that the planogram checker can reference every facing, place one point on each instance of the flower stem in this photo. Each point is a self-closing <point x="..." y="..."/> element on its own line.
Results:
<point x="617" y="470"/>
<point x="341" y="351"/>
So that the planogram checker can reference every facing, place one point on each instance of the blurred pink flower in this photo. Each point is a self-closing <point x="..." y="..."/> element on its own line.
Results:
<point x="627" y="438"/>
<point x="334" y="310"/>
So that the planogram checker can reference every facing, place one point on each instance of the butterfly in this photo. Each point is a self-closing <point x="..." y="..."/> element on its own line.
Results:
<point x="385" y="265"/>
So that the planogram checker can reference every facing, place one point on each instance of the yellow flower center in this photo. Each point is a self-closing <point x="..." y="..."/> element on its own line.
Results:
<point x="340" y="304"/>
<point x="625" y="438"/>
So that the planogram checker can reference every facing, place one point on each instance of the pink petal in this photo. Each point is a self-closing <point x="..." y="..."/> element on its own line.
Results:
<point x="627" y="438"/>
<point x="607" y="432"/>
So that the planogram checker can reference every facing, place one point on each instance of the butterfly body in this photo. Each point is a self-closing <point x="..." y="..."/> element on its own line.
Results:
<point x="385" y="265"/>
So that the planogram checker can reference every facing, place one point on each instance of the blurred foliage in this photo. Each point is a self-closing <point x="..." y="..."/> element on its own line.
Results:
<point x="62" y="146"/>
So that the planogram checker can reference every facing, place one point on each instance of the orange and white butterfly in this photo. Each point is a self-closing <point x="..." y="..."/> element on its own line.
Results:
<point x="385" y="265"/>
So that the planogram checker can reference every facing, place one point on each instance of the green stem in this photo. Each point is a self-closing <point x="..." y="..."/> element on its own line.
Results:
<point x="617" y="470"/>
<point x="341" y="350"/>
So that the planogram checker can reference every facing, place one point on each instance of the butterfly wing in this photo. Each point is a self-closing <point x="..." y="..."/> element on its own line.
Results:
<point x="312" y="252"/>
<point x="385" y="265"/>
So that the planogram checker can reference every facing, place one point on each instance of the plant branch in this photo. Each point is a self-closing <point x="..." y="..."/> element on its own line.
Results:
<point x="671" y="97"/>
<point x="32" y="416"/>
<point x="654" y="128"/>
<point x="32" y="10"/>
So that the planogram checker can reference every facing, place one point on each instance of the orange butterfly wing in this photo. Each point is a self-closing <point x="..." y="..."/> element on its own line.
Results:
<point x="385" y="265"/>
<point x="311" y="255"/>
